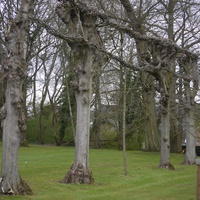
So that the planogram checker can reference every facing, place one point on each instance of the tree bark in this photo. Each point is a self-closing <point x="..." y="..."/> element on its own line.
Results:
<point x="152" y="140"/>
<point x="13" y="120"/>
<point x="190" y="155"/>
<point x="2" y="82"/>
<point x="80" y="171"/>
<point x="151" y="128"/>
<point x="165" y="133"/>
<point x="124" y="125"/>
<point x="175" y="133"/>
<point x="153" y="54"/>
<point x="24" y="142"/>
<point x="190" y="91"/>
<point x="81" y="24"/>
<point x="97" y="111"/>
<point x="164" y="78"/>
<point x="120" y="107"/>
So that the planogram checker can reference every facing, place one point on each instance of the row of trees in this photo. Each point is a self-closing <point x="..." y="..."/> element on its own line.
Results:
<point x="133" y="56"/>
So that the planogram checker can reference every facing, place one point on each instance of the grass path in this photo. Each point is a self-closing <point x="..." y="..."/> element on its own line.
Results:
<point x="43" y="166"/>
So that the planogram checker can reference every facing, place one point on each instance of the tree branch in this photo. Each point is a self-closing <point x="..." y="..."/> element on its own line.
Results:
<point x="109" y="20"/>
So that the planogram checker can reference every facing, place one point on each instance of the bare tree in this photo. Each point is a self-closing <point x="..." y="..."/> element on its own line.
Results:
<point x="156" y="56"/>
<point x="81" y="24"/>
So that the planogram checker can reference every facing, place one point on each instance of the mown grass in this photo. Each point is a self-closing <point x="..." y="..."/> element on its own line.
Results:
<point x="43" y="166"/>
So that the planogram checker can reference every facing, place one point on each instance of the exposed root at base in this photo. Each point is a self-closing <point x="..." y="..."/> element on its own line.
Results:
<point x="167" y="165"/>
<point x="22" y="189"/>
<point x="188" y="163"/>
<point x="78" y="175"/>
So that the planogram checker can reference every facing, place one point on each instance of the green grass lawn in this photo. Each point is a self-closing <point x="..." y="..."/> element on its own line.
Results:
<point x="43" y="166"/>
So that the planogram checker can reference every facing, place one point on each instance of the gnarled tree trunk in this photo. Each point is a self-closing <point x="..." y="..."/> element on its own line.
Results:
<point x="81" y="24"/>
<point x="12" y="113"/>
<point x="80" y="171"/>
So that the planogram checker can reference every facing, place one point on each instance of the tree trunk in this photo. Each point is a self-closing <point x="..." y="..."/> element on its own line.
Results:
<point x="152" y="142"/>
<point x="2" y="83"/>
<point x="165" y="134"/>
<point x="80" y="171"/>
<point x="120" y="107"/>
<point x="175" y="117"/>
<point x="152" y="133"/>
<point x="24" y="142"/>
<point x="164" y="80"/>
<point x="154" y="54"/>
<point x="41" y="131"/>
<point x="12" y="113"/>
<point x="124" y="125"/>
<point x="70" y="107"/>
<point x="175" y="133"/>
<point x="34" y="87"/>
<point x="84" y="62"/>
<point x="13" y="126"/>
<point x="97" y="111"/>
<point x="190" y="155"/>
<point x="54" y="118"/>
<point x="190" y="91"/>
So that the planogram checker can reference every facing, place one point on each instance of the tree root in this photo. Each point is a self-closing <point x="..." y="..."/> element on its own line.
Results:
<point x="167" y="165"/>
<point x="22" y="189"/>
<point x="78" y="175"/>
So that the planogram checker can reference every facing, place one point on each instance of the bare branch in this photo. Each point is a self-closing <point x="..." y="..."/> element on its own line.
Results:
<point x="129" y="31"/>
